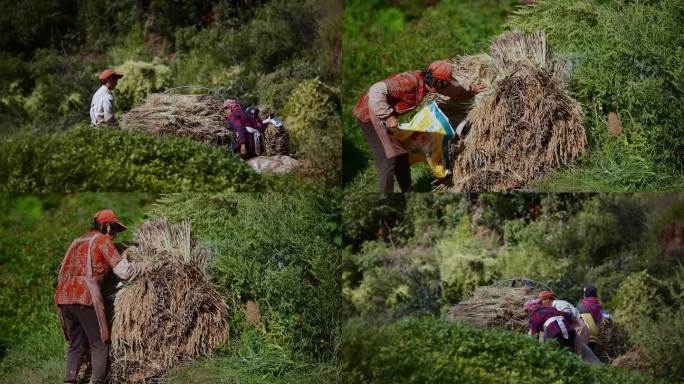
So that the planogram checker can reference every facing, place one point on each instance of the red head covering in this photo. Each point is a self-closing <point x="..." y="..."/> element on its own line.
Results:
<point x="108" y="216"/>
<point x="441" y="70"/>
<point x="107" y="73"/>
<point x="543" y="295"/>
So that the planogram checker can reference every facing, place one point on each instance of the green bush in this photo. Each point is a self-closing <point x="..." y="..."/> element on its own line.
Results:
<point x="623" y="62"/>
<point x="415" y="350"/>
<point x="111" y="160"/>
<point x="464" y="264"/>
<point x="312" y="118"/>
<point x="276" y="249"/>
<point x="140" y="79"/>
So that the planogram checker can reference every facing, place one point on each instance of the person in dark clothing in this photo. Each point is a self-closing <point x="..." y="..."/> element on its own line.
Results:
<point x="554" y="323"/>
<point x="591" y="312"/>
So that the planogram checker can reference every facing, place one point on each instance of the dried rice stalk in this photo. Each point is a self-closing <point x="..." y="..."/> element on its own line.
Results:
<point x="525" y="124"/>
<point x="194" y="116"/>
<point x="495" y="307"/>
<point x="171" y="314"/>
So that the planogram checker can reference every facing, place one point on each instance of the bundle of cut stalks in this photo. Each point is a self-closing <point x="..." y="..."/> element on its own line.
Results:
<point x="172" y="313"/>
<point x="608" y="344"/>
<point x="495" y="307"/>
<point x="195" y="116"/>
<point x="525" y="124"/>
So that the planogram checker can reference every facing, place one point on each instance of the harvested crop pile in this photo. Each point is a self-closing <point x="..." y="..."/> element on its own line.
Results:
<point x="194" y="116"/>
<point x="171" y="314"/>
<point x="495" y="307"/>
<point x="525" y="124"/>
<point x="608" y="346"/>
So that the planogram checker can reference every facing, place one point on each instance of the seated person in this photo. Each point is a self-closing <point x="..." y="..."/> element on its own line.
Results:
<point x="247" y="127"/>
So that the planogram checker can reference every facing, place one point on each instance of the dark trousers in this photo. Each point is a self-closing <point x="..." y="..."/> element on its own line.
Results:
<point x="387" y="169"/>
<point x="82" y="327"/>
<point x="568" y="343"/>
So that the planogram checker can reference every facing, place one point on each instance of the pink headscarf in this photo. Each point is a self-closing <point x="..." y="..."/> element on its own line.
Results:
<point x="532" y="305"/>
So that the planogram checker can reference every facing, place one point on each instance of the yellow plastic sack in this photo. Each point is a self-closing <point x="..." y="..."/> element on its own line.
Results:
<point x="426" y="138"/>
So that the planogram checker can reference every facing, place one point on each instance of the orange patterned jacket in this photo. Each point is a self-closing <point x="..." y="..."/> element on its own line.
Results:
<point x="71" y="289"/>
<point x="406" y="91"/>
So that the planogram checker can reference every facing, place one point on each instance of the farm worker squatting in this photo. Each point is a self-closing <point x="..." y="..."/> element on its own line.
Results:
<point x="247" y="126"/>
<point x="78" y="296"/>
<point x="377" y="110"/>
<point x="553" y="323"/>
<point x="102" y="105"/>
<point x="591" y="313"/>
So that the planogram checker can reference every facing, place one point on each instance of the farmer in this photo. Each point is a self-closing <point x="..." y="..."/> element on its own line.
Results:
<point x="581" y="331"/>
<point x="102" y="105"/>
<point x="78" y="296"/>
<point x="591" y="313"/>
<point x="246" y="124"/>
<point x="555" y="324"/>
<point x="377" y="113"/>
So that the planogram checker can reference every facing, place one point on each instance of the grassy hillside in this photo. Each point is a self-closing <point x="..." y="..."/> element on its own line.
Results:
<point x="258" y="52"/>
<point x="621" y="62"/>
<point x="294" y="277"/>
<point x="424" y="350"/>
<point x="420" y="254"/>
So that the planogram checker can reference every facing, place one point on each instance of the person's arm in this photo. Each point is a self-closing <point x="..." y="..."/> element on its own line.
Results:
<point x="378" y="103"/>
<point x="535" y="325"/>
<point x="236" y="123"/>
<point x="124" y="269"/>
<point x="108" y="108"/>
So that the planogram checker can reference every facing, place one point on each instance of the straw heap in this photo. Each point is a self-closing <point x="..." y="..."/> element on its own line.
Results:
<point x="170" y="314"/>
<point x="495" y="307"/>
<point x="194" y="116"/>
<point x="525" y="124"/>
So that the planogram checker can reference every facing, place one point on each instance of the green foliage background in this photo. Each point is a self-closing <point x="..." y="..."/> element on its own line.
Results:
<point x="622" y="61"/>
<point x="419" y="254"/>
<point x="255" y="51"/>
<point x="434" y="351"/>
<point x="299" y="299"/>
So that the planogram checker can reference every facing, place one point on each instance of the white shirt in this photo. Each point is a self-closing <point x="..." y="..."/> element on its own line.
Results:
<point x="564" y="306"/>
<point x="102" y="107"/>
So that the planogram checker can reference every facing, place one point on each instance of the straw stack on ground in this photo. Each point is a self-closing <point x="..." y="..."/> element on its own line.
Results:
<point x="525" y="124"/>
<point x="171" y="314"/>
<point x="495" y="307"/>
<point x="195" y="116"/>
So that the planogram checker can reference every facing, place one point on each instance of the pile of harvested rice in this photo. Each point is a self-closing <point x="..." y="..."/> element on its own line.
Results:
<point x="525" y="124"/>
<point x="608" y="347"/>
<point x="194" y="116"/>
<point x="495" y="307"/>
<point x="172" y="313"/>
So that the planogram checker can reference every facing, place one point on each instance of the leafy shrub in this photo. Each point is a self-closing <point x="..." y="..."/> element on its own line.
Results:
<point x="415" y="350"/>
<point x="276" y="249"/>
<point x="464" y="264"/>
<point x="312" y="118"/>
<point x="623" y="62"/>
<point x="112" y="160"/>
<point x="140" y="79"/>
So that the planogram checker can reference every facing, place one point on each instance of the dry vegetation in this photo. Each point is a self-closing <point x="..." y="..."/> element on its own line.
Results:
<point x="170" y="315"/>
<point x="495" y="307"/>
<point x="195" y="116"/>
<point x="525" y="124"/>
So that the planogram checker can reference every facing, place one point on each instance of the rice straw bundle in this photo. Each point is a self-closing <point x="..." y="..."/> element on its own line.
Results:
<point x="525" y="124"/>
<point x="172" y="313"/>
<point x="608" y="346"/>
<point x="495" y="307"/>
<point x="194" y="116"/>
